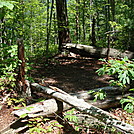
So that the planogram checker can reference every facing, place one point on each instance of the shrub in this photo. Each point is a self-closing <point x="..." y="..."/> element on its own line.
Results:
<point x="123" y="72"/>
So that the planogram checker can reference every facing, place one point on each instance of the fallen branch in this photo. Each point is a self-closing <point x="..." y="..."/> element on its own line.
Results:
<point x="86" y="108"/>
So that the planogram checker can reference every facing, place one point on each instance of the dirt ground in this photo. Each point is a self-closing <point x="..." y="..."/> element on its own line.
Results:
<point x="71" y="74"/>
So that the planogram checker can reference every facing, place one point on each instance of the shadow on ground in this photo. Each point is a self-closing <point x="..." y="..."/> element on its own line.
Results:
<point x="71" y="74"/>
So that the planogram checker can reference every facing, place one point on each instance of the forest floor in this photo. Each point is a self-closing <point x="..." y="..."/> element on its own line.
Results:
<point x="71" y="74"/>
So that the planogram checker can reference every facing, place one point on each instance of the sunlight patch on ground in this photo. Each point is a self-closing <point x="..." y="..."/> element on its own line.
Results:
<point x="50" y="80"/>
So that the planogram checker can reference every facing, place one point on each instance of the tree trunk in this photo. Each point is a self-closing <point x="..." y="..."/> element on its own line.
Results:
<point x="85" y="50"/>
<point x="63" y="30"/>
<point x="77" y="33"/>
<point x="112" y="4"/>
<point x="49" y="22"/>
<point x="108" y="27"/>
<point x="85" y="108"/>
<point x="93" y="38"/>
<point x="47" y="25"/>
<point x="83" y="21"/>
<point x="23" y="87"/>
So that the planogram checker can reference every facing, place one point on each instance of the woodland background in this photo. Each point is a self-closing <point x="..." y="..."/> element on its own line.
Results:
<point x="34" y="32"/>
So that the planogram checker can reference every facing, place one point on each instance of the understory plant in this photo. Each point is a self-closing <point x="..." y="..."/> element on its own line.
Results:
<point x="122" y="71"/>
<point x="71" y="116"/>
<point x="37" y="125"/>
<point x="98" y="95"/>
<point x="8" y="63"/>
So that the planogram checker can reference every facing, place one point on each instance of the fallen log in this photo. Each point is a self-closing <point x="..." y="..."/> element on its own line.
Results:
<point x="49" y="107"/>
<point x="114" y="95"/>
<point x="86" y="108"/>
<point x="92" y="51"/>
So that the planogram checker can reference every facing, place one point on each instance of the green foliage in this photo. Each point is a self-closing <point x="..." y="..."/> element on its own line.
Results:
<point x="8" y="4"/>
<point x="71" y="116"/>
<point x="122" y="70"/>
<point x="16" y="101"/>
<point x="8" y="65"/>
<point x="4" y="7"/>
<point x="100" y="95"/>
<point x="128" y="103"/>
<point x="36" y="125"/>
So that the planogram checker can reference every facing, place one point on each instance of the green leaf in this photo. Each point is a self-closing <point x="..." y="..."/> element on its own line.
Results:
<point x="29" y="108"/>
<point x="58" y="125"/>
<point x="7" y="4"/>
<point x="77" y="128"/>
<point x="91" y="91"/>
<point x="131" y="98"/>
<point x="131" y="89"/>
<point x="131" y="72"/>
<point x="17" y="107"/>
<point x="23" y="115"/>
<point x="128" y="80"/>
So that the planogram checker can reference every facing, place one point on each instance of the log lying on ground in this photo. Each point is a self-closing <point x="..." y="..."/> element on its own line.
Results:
<point x="114" y="94"/>
<point x="86" y="50"/>
<point x="84" y="107"/>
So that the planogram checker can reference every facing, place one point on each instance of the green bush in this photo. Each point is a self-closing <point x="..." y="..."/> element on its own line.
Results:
<point x="123" y="74"/>
<point x="8" y="64"/>
<point x="122" y="70"/>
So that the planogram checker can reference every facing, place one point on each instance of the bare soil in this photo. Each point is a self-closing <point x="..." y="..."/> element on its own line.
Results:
<point x="71" y="74"/>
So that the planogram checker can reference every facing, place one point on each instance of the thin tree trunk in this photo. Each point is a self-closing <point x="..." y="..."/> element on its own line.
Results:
<point x="2" y="40"/>
<point x="90" y="7"/>
<point x="55" y="30"/>
<point x="49" y="22"/>
<point x="77" y="33"/>
<point x="112" y="4"/>
<point x="2" y="30"/>
<point x="83" y="21"/>
<point x="93" y="32"/>
<point x="108" y="27"/>
<point x="47" y="25"/>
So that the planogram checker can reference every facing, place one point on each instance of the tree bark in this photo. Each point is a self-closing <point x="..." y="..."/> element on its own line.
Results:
<point x="83" y="20"/>
<point x="63" y="30"/>
<point x="85" y="108"/>
<point x="85" y="50"/>
<point x="93" y="38"/>
<point x="23" y="87"/>
<point x="47" y="29"/>
<point x="77" y="27"/>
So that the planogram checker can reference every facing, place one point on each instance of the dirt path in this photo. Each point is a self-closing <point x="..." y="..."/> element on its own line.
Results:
<point x="71" y="74"/>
